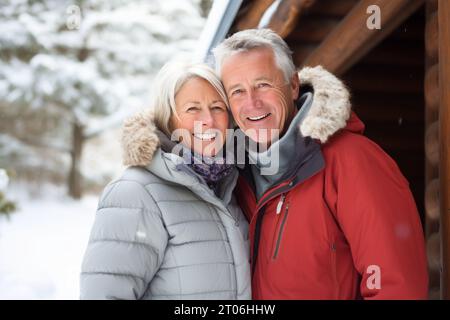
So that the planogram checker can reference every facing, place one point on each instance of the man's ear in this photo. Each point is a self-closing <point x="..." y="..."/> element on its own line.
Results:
<point x="295" y="85"/>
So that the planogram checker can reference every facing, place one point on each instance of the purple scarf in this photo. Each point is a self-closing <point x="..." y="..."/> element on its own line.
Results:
<point x="212" y="170"/>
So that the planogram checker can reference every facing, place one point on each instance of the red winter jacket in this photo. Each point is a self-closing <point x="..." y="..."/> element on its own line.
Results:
<point x="350" y="231"/>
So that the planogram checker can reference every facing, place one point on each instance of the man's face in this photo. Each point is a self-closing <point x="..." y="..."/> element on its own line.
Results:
<point x="259" y="95"/>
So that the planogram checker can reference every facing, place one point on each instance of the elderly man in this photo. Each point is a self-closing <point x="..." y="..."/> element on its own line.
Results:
<point x="337" y="220"/>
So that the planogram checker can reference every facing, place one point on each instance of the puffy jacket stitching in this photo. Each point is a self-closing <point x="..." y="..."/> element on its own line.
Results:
<point x="191" y="294"/>
<point x="112" y="185"/>
<point x="128" y="207"/>
<point x="180" y="294"/>
<point x="159" y="214"/>
<point x="217" y="222"/>
<point x="198" y="241"/>
<point x="188" y="200"/>
<point x="144" y="187"/>
<point x="146" y="245"/>
<point x="129" y="275"/>
<point x="226" y="240"/>
<point x="195" y="264"/>
<point x="189" y="221"/>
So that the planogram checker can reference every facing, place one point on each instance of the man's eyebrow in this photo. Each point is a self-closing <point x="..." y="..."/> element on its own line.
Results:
<point x="263" y="78"/>
<point x="233" y="86"/>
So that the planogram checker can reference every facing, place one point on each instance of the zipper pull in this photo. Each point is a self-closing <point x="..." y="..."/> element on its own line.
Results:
<point x="280" y="203"/>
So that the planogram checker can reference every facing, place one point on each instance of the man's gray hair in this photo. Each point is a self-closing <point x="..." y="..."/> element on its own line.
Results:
<point x="247" y="40"/>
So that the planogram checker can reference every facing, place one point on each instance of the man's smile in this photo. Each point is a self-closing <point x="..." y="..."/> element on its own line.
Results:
<point x="260" y="117"/>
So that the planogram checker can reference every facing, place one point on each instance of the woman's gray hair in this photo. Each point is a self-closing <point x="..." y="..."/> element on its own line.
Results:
<point x="169" y="80"/>
<point x="247" y="40"/>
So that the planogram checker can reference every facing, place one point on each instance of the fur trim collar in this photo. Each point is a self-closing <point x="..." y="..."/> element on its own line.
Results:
<point x="331" y="106"/>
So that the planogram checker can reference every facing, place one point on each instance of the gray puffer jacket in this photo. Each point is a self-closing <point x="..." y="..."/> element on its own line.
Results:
<point x="161" y="233"/>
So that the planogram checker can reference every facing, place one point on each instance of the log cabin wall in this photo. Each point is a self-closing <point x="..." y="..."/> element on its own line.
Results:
<point x="431" y="89"/>
<point x="444" y="142"/>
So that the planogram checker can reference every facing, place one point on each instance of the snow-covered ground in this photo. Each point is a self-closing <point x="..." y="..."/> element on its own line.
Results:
<point x="42" y="244"/>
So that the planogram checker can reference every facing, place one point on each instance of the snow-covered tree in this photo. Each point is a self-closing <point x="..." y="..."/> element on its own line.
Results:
<point x="71" y="69"/>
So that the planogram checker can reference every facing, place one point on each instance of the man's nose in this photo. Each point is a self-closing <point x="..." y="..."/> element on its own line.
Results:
<point x="252" y="99"/>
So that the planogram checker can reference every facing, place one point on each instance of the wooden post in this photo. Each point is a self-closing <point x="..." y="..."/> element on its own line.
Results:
<point x="287" y="14"/>
<point x="250" y="18"/>
<point x="444" y="120"/>
<point x="432" y="146"/>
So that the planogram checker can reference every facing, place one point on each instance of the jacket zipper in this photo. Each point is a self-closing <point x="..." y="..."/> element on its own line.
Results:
<point x="278" y="218"/>
<point x="258" y="217"/>
<point x="280" y="203"/>
<point x="280" y="232"/>
<point x="275" y="193"/>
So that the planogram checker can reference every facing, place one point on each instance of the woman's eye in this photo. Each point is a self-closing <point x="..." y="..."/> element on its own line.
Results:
<point x="217" y="108"/>
<point x="192" y="109"/>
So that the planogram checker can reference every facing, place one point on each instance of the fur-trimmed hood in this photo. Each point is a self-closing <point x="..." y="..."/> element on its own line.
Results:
<point x="328" y="114"/>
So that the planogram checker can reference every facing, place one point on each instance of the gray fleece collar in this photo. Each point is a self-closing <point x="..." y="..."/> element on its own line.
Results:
<point x="293" y="155"/>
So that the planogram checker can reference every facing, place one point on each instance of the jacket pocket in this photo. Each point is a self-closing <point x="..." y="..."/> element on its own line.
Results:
<point x="280" y="232"/>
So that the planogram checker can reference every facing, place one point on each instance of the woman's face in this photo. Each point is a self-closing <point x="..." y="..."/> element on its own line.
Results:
<point x="202" y="117"/>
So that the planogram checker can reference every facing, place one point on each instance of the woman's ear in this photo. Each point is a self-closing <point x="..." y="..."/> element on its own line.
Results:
<point x="295" y="86"/>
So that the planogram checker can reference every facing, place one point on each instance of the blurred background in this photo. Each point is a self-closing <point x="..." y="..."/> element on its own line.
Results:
<point x="70" y="73"/>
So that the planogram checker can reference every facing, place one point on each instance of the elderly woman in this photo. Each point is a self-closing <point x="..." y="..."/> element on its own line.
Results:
<point x="170" y="228"/>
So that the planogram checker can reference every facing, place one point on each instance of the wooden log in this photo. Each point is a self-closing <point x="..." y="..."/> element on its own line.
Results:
<point x="396" y="53"/>
<point x="431" y="171"/>
<point x="434" y="280"/>
<point x="312" y="29"/>
<point x="351" y="39"/>
<point x="432" y="200"/>
<point x="431" y="37"/>
<point x="434" y="251"/>
<point x="332" y="8"/>
<point x="391" y="139"/>
<point x="371" y="78"/>
<point x="411" y="30"/>
<point x="431" y="88"/>
<point x="389" y="113"/>
<point x="252" y="14"/>
<point x="405" y="102"/>
<point x="444" y="128"/>
<point x="432" y="227"/>
<point x="285" y="18"/>
<point x="301" y="52"/>
<point x="432" y="143"/>
<point x="432" y="5"/>
<point x="434" y="293"/>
